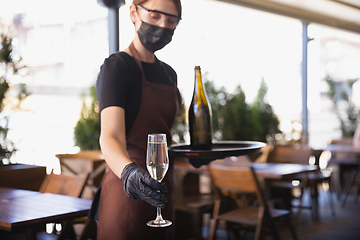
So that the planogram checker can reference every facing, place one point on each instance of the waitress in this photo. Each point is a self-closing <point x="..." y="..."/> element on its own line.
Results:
<point x="137" y="95"/>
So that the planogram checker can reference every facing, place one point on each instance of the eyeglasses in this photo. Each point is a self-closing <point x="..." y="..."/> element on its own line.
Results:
<point x="154" y="17"/>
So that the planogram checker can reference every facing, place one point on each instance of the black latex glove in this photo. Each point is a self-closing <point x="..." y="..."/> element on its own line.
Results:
<point x="138" y="184"/>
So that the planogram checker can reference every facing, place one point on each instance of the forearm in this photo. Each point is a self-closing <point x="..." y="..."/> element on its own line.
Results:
<point x="114" y="152"/>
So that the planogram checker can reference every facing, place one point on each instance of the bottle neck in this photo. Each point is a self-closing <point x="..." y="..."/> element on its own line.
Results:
<point x="199" y="87"/>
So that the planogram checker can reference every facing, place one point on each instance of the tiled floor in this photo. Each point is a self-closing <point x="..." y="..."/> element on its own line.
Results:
<point x="345" y="225"/>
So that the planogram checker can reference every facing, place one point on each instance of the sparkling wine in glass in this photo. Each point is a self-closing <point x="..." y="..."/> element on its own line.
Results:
<point x="157" y="163"/>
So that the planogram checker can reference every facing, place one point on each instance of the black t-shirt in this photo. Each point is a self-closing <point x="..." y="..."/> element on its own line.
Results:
<point x="119" y="83"/>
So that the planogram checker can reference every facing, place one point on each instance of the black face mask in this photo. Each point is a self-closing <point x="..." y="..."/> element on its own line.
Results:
<point x="154" y="37"/>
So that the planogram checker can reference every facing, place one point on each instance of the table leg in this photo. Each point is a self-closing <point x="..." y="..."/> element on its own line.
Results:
<point x="357" y="184"/>
<point x="348" y="185"/>
<point x="331" y="203"/>
<point x="30" y="234"/>
<point x="336" y="180"/>
<point x="314" y="195"/>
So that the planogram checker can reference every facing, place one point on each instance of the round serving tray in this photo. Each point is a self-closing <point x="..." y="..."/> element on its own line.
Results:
<point x="219" y="150"/>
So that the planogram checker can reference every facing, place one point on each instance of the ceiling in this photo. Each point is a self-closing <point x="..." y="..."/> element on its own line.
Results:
<point x="342" y="14"/>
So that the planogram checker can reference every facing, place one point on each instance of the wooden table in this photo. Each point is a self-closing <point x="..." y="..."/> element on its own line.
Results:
<point x="341" y="148"/>
<point x="23" y="209"/>
<point x="22" y="176"/>
<point x="267" y="170"/>
<point x="353" y="160"/>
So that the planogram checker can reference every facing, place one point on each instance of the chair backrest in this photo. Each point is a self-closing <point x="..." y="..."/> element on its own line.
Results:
<point x="290" y="154"/>
<point x="343" y="155"/>
<point x="235" y="178"/>
<point x="264" y="154"/>
<point x="94" y="155"/>
<point x="83" y="162"/>
<point x="342" y="141"/>
<point x="69" y="185"/>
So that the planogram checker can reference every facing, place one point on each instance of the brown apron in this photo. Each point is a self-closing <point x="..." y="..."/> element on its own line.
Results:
<point x="121" y="217"/>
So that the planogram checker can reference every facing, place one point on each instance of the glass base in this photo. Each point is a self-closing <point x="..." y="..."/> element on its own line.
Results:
<point x="159" y="223"/>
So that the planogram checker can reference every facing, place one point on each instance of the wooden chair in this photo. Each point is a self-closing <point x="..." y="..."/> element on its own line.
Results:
<point x="64" y="184"/>
<point x="261" y="157"/>
<point x="78" y="164"/>
<point x="82" y="162"/>
<point x="243" y="179"/>
<point x="192" y="202"/>
<point x="290" y="154"/>
<point x="69" y="185"/>
<point x="286" y="187"/>
<point x="321" y="176"/>
<point x="347" y="170"/>
<point x="301" y="155"/>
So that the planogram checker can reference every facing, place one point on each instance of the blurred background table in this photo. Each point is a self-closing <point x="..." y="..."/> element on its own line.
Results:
<point x="22" y="176"/>
<point x="267" y="170"/>
<point x="346" y="156"/>
<point x="23" y="209"/>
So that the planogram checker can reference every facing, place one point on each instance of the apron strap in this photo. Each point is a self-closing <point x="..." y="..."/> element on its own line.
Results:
<point x="137" y="59"/>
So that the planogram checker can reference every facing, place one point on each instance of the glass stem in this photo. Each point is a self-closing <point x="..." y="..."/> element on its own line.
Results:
<point x="158" y="215"/>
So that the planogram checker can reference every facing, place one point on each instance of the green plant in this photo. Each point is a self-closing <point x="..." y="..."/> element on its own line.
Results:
<point x="87" y="129"/>
<point x="264" y="120"/>
<point x="234" y="119"/>
<point x="238" y="120"/>
<point x="346" y="111"/>
<point x="180" y="127"/>
<point x="6" y="58"/>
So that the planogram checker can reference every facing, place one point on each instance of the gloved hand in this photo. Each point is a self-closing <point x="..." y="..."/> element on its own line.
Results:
<point x="138" y="184"/>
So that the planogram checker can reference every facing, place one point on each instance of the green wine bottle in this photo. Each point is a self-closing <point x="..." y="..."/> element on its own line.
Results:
<point x="200" y="124"/>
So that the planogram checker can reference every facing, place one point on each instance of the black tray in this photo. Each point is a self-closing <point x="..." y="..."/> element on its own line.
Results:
<point x="219" y="150"/>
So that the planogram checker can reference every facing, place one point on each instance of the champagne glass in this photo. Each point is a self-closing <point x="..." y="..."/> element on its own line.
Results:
<point x="157" y="163"/>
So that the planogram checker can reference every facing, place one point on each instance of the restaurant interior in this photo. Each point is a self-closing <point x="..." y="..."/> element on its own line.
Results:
<point x="296" y="61"/>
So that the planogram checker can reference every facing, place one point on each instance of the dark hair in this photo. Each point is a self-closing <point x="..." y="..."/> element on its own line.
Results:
<point x="176" y="2"/>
